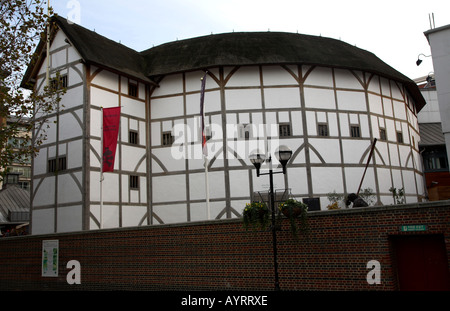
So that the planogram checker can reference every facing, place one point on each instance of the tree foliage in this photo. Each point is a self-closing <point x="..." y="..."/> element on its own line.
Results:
<point x="22" y="25"/>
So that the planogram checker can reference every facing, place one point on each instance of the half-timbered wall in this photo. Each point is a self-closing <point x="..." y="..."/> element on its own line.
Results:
<point x="123" y="204"/>
<point x="327" y="116"/>
<point x="69" y="199"/>
<point x="257" y="100"/>
<point x="57" y="196"/>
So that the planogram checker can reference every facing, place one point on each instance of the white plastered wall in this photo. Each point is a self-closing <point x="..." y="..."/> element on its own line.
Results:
<point x="339" y="98"/>
<point x="122" y="206"/>
<point x="57" y="198"/>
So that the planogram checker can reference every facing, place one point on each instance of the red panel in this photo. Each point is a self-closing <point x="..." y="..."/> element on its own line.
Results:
<point x="422" y="263"/>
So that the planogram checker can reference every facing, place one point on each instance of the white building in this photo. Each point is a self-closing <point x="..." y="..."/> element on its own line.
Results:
<point x="434" y="119"/>
<point x="439" y="40"/>
<point x="323" y="98"/>
<point x="432" y="142"/>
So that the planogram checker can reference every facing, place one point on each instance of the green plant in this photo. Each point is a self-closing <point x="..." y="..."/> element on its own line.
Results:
<point x="398" y="195"/>
<point x="294" y="210"/>
<point x="22" y="25"/>
<point x="368" y="195"/>
<point x="256" y="215"/>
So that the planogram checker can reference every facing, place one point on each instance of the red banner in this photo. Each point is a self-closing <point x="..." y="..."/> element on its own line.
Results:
<point x="111" y="122"/>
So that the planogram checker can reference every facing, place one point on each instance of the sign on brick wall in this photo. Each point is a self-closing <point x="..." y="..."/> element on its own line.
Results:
<point x="50" y="254"/>
<point x="409" y="228"/>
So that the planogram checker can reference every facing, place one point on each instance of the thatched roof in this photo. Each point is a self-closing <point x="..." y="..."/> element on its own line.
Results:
<point x="229" y="49"/>
<point x="261" y="48"/>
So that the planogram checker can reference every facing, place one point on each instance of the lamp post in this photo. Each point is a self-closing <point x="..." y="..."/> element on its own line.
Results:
<point x="283" y="155"/>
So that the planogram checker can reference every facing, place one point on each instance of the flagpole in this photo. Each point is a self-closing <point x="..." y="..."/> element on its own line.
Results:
<point x="48" y="44"/>
<point x="207" y="187"/>
<point x="101" y="168"/>
<point x="204" y="147"/>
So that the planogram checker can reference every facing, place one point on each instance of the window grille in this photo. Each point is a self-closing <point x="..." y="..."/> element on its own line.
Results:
<point x="57" y="165"/>
<point x="167" y="139"/>
<point x="382" y="134"/>
<point x="51" y="167"/>
<point x="133" y="89"/>
<point x="245" y="131"/>
<point x="59" y="82"/>
<point x="62" y="164"/>
<point x="400" y="137"/>
<point x="322" y="129"/>
<point x="134" y="182"/>
<point x="133" y="138"/>
<point x="355" y="131"/>
<point x="284" y="130"/>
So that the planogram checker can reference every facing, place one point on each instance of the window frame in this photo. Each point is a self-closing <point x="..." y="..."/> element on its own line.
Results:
<point x="133" y="89"/>
<point x="133" y="137"/>
<point x="59" y="82"/>
<point x="57" y="164"/>
<point x="435" y="159"/>
<point x="167" y="142"/>
<point x="323" y="130"/>
<point x="383" y="134"/>
<point x="400" y="138"/>
<point x="245" y="131"/>
<point x="284" y="130"/>
<point x="353" y="128"/>
<point x="134" y="183"/>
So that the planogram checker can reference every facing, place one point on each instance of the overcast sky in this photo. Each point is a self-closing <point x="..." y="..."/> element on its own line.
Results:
<point x="391" y="29"/>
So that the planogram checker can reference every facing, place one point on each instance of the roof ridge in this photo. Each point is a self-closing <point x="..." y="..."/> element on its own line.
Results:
<point x="68" y="23"/>
<point x="100" y="50"/>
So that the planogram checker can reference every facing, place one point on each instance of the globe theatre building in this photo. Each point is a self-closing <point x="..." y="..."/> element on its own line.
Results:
<point x="323" y="98"/>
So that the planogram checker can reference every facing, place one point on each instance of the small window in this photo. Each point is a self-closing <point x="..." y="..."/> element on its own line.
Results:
<point x="133" y="137"/>
<point x="284" y="130"/>
<point x="382" y="134"/>
<point x="322" y="129"/>
<point x="24" y="185"/>
<point x="435" y="159"/>
<point x="167" y="139"/>
<point x="133" y="89"/>
<point x="62" y="164"/>
<point x="63" y="81"/>
<point x="51" y="166"/>
<point x="59" y="82"/>
<point x="247" y="135"/>
<point x="134" y="182"/>
<point x="12" y="179"/>
<point x="400" y="137"/>
<point x="354" y="131"/>
<point x="245" y="131"/>
<point x="56" y="165"/>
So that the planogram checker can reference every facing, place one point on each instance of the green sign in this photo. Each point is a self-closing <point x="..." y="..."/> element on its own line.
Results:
<point x="50" y="250"/>
<point x="408" y="228"/>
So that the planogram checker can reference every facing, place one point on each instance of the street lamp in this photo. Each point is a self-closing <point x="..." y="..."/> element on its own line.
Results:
<point x="257" y="159"/>
<point x="283" y="154"/>
<point x="419" y="61"/>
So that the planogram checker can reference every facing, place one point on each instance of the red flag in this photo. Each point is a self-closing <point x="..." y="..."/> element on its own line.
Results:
<point x="111" y="121"/>
<point x="202" y="112"/>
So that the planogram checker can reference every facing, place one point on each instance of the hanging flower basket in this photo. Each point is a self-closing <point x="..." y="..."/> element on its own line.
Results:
<point x="292" y="211"/>
<point x="256" y="215"/>
<point x="295" y="210"/>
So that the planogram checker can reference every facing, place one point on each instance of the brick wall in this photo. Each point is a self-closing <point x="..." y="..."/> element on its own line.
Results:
<point x="221" y="255"/>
